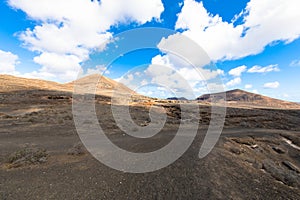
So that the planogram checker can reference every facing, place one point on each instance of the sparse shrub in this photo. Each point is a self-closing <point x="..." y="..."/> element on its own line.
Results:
<point x="77" y="149"/>
<point x="27" y="155"/>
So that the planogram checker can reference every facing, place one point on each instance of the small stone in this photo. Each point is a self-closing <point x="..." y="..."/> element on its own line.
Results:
<point x="43" y="160"/>
<point x="279" y="150"/>
<point x="235" y="150"/>
<point x="291" y="166"/>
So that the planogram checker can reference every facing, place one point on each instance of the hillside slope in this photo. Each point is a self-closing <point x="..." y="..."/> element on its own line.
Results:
<point x="105" y="85"/>
<point x="10" y="83"/>
<point x="240" y="98"/>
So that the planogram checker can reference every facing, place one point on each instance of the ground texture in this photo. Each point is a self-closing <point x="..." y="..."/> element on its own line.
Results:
<point x="41" y="157"/>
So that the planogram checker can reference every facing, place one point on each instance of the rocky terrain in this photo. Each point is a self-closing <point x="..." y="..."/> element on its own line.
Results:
<point x="42" y="157"/>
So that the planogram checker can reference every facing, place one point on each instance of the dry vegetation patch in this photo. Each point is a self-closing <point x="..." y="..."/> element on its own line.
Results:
<point x="27" y="156"/>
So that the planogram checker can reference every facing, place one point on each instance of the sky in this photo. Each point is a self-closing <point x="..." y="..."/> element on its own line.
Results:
<point x="252" y="45"/>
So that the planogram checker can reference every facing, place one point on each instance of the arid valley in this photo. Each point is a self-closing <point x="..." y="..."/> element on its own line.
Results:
<point x="42" y="157"/>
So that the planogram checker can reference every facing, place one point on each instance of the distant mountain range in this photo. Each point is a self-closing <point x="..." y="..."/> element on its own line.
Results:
<point x="177" y="98"/>
<point x="106" y="87"/>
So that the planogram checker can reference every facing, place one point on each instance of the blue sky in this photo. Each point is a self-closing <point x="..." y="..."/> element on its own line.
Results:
<point x="254" y="44"/>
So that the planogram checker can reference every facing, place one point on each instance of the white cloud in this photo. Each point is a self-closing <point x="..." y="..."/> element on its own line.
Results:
<point x="158" y="92"/>
<point x="166" y="76"/>
<point x="148" y="93"/>
<point x="8" y="62"/>
<point x="234" y="82"/>
<point x="119" y="79"/>
<point x="272" y="85"/>
<point x="99" y="69"/>
<point x="237" y="71"/>
<point x="286" y="95"/>
<point x="178" y="75"/>
<point x="263" y="22"/>
<point x="40" y="75"/>
<point x="137" y="73"/>
<point x="255" y="91"/>
<point x="177" y="44"/>
<point x="144" y="82"/>
<point x="99" y="16"/>
<point x="56" y="63"/>
<point x="162" y="60"/>
<point x="184" y="70"/>
<point x="71" y="29"/>
<point x="63" y="67"/>
<point x="295" y="63"/>
<point x="130" y="77"/>
<point x="248" y="86"/>
<point x="260" y="69"/>
<point x="221" y="72"/>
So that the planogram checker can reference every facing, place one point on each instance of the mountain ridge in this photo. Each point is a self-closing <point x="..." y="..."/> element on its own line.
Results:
<point x="106" y="87"/>
<point x="247" y="99"/>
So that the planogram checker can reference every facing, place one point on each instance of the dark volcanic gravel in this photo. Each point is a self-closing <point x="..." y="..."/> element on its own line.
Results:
<point x="252" y="160"/>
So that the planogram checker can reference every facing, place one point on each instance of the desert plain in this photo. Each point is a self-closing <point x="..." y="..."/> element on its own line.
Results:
<point x="42" y="156"/>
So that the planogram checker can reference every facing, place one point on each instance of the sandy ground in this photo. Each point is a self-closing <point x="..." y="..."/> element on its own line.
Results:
<point x="257" y="156"/>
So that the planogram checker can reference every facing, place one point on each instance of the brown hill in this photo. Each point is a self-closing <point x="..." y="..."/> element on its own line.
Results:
<point x="105" y="85"/>
<point x="241" y="98"/>
<point x="11" y="84"/>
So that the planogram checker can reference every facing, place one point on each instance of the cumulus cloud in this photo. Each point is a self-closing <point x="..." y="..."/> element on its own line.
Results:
<point x="255" y="91"/>
<point x="237" y="71"/>
<point x="181" y="77"/>
<point x="57" y="63"/>
<point x="56" y="66"/>
<point x="285" y="95"/>
<point x="99" y="69"/>
<point x="40" y="75"/>
<point x="234" y="82"/>
<point x="71" y="29"/>
<point x="162" y="72"/>
<point x="248" y="86"/>
<point x="177" y="44"/>
<point x="260" y="69"/>
<point x="272" y="85"/>
<point x="263" y="22"/>
<point x="8" y="62"/>
<point x="185" y="70"/>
